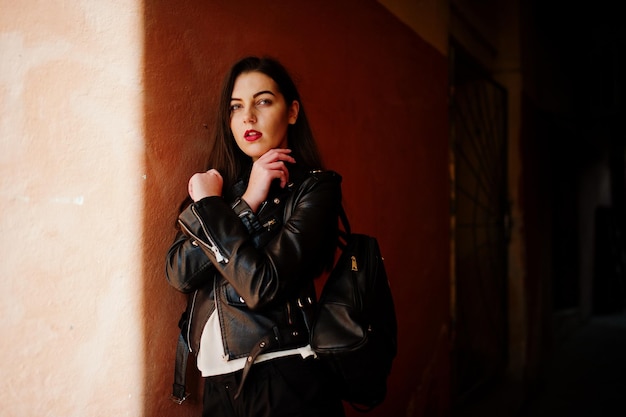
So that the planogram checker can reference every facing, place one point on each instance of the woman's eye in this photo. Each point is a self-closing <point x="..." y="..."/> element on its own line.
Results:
<point x="264" y="101"/>
<point x="234" y="107"/>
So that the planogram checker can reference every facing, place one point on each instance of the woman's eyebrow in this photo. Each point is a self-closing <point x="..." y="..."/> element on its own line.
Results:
<point x="263" y="92"/>
<point x="255" y="95"/>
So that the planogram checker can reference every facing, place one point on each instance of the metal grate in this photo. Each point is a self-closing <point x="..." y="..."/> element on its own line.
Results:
<point x="479" y="226"/>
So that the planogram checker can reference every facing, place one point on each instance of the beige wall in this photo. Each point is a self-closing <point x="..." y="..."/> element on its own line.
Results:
<point x="71" y="176"/>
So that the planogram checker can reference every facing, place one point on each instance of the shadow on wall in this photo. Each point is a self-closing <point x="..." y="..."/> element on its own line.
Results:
<point x="376" y="96"/>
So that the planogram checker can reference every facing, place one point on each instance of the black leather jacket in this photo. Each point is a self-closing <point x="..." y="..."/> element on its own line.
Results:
<point x="257" y="270"/>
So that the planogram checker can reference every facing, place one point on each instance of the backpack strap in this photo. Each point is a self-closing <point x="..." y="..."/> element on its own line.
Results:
<point x="344" y="233"/>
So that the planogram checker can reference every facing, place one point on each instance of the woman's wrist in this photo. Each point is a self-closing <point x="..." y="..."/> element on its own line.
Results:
<point x="247" y="216"/>
<point x="251" y="202"/>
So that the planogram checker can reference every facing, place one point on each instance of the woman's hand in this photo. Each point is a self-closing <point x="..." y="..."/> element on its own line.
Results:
<point x="205" y="184"/>
<point x="270" y="166"/>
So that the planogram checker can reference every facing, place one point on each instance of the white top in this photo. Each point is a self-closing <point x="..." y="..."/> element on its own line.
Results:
<point x="213" y="361"/>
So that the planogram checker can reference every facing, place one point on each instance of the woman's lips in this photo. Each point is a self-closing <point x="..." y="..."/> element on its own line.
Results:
<point x="252" y="135"/>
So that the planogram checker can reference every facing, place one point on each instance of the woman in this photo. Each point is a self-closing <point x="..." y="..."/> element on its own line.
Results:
<point x="260" y="226"/>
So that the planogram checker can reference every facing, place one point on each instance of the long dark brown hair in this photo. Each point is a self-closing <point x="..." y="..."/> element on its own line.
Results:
<point x="226" y="156"/>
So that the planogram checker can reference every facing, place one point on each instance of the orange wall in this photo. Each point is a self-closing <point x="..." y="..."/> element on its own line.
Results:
<point x="376" y="97"/>
<point x="103" y="107"/>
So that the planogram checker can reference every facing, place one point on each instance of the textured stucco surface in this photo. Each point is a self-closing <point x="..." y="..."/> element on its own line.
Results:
<point x="70" y="203"/>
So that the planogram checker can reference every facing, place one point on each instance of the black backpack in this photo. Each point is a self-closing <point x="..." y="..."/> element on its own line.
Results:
<point x="355" y="328"/>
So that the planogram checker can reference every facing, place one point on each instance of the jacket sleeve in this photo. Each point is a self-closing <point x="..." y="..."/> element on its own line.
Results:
<point x="299" y="251"/>
<point x="187" y="267"/>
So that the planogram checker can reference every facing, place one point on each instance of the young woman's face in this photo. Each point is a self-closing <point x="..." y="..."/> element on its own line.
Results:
<point x="259" y="115"/>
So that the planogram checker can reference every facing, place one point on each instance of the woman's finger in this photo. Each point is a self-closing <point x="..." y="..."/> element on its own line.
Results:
<point x="278" y="154"/>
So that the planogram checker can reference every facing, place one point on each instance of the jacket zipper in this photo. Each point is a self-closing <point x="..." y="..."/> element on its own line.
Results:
<point x="268" y="225"/>
<point x="193" y="306"/>
<point x="211" y="245"/>
<point x="263" y="204"/>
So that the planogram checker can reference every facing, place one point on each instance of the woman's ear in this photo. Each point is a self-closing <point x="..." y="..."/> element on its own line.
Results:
<point x="294" y="108"/>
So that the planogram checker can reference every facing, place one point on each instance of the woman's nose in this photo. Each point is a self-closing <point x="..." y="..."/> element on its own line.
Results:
<point x="249" y="117"/>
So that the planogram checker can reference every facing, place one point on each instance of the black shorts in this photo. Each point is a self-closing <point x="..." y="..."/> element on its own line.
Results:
<point x="284" y="387"/>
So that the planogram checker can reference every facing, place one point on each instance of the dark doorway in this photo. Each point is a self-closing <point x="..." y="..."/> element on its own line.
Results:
<point x="480" y="225"/>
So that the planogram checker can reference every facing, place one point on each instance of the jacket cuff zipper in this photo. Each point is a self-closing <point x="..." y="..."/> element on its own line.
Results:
<point x="211" y="245"/>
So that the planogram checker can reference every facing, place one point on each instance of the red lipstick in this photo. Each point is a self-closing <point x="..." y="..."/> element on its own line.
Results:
<point x="252" y="135"/>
